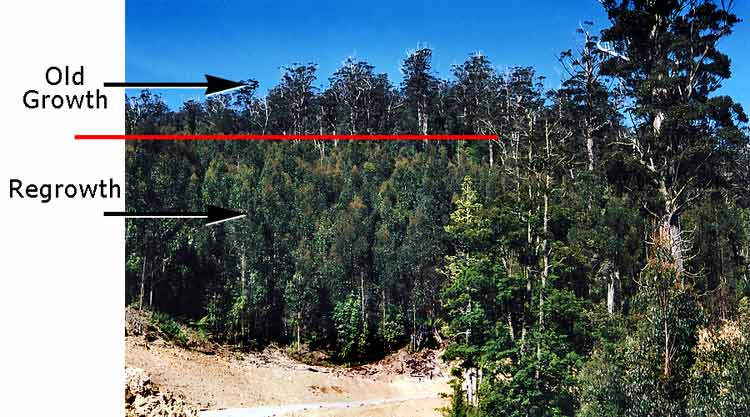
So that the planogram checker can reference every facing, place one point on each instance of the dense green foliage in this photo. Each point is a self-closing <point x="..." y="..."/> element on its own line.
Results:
<point x="592" y="261"/>
<point x="169" y="327"/>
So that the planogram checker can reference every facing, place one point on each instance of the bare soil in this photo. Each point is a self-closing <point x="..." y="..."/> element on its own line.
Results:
<point x="218" y="377"/>
<point x="413" y="408"/>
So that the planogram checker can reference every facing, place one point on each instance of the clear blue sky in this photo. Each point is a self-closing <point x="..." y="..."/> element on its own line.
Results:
<point x="182" y="40"/>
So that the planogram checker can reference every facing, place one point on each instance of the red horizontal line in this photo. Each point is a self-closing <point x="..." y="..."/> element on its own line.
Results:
<point x="289" y="137"/>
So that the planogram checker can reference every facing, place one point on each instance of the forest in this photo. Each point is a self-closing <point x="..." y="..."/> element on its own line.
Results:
<point x="592" y="260"/>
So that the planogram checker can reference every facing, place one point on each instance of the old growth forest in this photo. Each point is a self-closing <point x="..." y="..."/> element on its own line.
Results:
<point x="591" y="261"/>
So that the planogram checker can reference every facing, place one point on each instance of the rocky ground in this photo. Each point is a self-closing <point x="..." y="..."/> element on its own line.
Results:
<point x="142" y="398"/>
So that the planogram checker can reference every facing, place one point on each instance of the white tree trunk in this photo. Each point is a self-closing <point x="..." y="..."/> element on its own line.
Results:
<point x="470" y="386"/>
<point x="143" y="284"/>
<point x="613" y="280"/>
<point x="243" y="269"/>
<point x="590" y="149"/>
<point x="670" y="234"/>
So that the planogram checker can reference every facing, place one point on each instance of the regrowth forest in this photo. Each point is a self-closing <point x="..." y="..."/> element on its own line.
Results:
<point x="591" y="261"/>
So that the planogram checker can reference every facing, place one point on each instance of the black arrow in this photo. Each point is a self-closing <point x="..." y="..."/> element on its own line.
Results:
<point x="213" y="215"/>
<point x="213" y="85"/>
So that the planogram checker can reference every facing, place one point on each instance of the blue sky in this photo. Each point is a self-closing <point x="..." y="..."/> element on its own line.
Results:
<point x="180" y="41"/>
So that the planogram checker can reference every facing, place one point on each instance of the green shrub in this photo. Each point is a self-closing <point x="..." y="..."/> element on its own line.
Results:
<point x="351" y="337"/>
<point x="169" y="327"/>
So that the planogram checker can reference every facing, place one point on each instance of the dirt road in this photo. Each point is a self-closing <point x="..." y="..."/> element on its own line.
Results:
<point x="368" y="407"/>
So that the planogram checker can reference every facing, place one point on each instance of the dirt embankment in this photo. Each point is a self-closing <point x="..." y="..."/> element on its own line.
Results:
<point x="217" y="378"/>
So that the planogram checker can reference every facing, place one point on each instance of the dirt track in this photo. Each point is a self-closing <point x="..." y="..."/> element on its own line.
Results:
<point x="406" y="407"/>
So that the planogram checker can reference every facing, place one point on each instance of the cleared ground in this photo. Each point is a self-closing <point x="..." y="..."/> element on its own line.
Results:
<point x="231" y="380"/>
